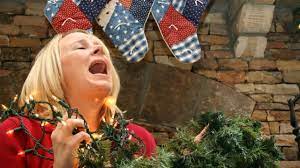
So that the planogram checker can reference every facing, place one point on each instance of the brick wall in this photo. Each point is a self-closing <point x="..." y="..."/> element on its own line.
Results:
<point x="270" y="80"/>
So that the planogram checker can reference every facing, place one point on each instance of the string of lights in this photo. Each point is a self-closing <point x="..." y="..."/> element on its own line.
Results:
<point x="116" y="133"/>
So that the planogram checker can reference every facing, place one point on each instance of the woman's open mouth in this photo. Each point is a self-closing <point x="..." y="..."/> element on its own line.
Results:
<point x="98" y="67"/>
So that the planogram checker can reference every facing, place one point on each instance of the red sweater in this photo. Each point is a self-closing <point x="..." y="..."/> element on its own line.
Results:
<point x="12" y="144"/>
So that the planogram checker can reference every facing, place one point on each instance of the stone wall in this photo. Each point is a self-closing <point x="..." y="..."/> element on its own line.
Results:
<point x="237" y="73"/>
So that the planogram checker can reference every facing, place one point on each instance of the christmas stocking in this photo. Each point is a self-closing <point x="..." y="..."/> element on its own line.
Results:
<point x="124" y="30"/>
<point x="91" y="8"/>
<point x="178" y="21"/>
<point x="65" y="15"/>
<point x="140" y="9"/>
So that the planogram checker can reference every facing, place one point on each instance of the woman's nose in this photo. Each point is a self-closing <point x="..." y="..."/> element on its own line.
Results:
<point x="97" y="50"/>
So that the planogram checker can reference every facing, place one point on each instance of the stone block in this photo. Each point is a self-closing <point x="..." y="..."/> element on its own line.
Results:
<point x="285" y="140"/>
<point x="288" y="89"/>
<point x="15" y="54"/>
<point x="219" y="29"/>
<point x="214" y="39"/>
<point x="286" y="128"/>
<point x="289" y="164"/>
<point x="282" y="98"/>
<point x="288" y="65"/>
<point x="284" y="54"/>
<point x="276" y="45"/>
<point x="274" y="127"/>
<point x="12" y="7"/>
<point x="207" y="73"/>
<point x="280" y="115"/>
<point x="253" y="46"/>
<point x="4" y="41"/>
<point x="290" y="153"/>
<point x="7" y="29"/>
<point x="30" y="21"/>
<point x="231" y="77"/>
<point x="271" y="106"/>
<point x="264" y="77"/>
<point x="262" y="64"/>
<point x="34" y="31"/>
<point x="262" y="98"/>
<point x="254" y="18"/>
<point x="259" y="115"/>
<point x="205" y="63"/>
<point x="265" y="128"/>
<point x="218" y="54"/>
<point x="219" y="47"/>
<point x="291" y="76"/>
<point x="245" y="88"/>
<point x="24" y="42"/>
<point x="35" y="7"/>
<point x="232" y="64"/>
<point x="215" y="18"/>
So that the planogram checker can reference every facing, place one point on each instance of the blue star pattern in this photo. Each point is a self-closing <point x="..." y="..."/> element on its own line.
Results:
<point x="189" y="50"/>
<point x="159" y="9"/>
<point x="51" y="8"/>
<point x="179" y="5"/>
<point x="91" y="8"/>
<point x="141" y="10"/>
<point x="125" y="31"/>
<point x="194" y="9"/>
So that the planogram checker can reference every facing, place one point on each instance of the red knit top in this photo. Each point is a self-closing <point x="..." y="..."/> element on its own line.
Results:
<point x="13" y="145"/>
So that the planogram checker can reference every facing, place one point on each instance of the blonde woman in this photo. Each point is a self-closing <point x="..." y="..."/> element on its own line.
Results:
<point x="75" y="66"/>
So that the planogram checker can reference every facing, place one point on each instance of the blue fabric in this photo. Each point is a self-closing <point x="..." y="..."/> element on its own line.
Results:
<point x="189" y="50"/>
<point x="179" y="5"/>
<point x="91" y="8"/>
<point x="51" y="8"/>
<point x="122" y="25"/>
<point x="140" y="9"/>
<point x="127" y="34"/>
<point x="194" y="9"/>
<point x="159" y="9"/>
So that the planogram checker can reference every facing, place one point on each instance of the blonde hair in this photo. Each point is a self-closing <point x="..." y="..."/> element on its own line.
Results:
<point x="45" y="79"/>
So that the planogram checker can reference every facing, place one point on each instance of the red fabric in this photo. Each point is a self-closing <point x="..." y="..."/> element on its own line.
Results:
<point x="175" y="27"/>
<point x="10" y="145"/>
<point x="70" y="17"/>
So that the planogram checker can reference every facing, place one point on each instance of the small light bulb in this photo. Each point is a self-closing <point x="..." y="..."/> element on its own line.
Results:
<point x="10" y="132"/>
<point x="55" y="98"/>
<point x="110" y="102"/>
<point x="27" y="101"/>
<point x="21" y="153"/>
<point x="15" y="98"/>
<point x="4" y="107"/>
<point x="36" y="115"/>
<point x="30" y="97"/>
<point x="54" y="108"/>
<point x="44" y="123"/>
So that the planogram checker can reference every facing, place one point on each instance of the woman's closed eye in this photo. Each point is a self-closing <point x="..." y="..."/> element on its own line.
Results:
<point x="81" y="48"/>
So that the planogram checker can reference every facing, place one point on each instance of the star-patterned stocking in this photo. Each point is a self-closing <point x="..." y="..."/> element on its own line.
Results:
<point x="178" y="21"/>
<point x="124" y="30"/>
<point x="91" y="8"/>
<point x="140" y="9"/>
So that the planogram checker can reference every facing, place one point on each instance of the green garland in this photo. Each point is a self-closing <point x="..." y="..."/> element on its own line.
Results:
<point x="228" y="143"/>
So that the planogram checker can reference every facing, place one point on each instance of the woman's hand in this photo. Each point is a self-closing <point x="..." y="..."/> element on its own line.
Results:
<point x="65" y="144"/>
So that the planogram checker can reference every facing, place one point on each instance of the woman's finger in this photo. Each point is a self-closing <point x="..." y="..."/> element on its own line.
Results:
<point x="74" y="123"/>
<point x="79" y="137"/>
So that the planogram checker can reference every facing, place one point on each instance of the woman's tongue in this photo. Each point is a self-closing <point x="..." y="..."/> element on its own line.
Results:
<point x="98" y="68"/>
